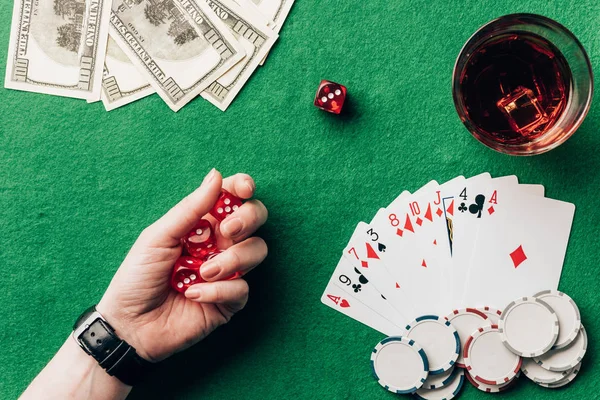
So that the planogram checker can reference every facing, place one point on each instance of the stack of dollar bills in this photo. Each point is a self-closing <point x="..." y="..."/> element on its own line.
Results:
<point x="120" y="51"/>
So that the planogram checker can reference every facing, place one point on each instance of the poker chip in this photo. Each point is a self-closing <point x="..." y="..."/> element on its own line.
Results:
<point x="536" y="373"/>
<point x="569" y="318"/>
<point x="484" y="387"/>
<point x="492" y="313"/>
<point x="466" y="321"/>
<point x="528" y="326"/>
<point x="487" y="359"/>
<point x="439" y="340"/>
<point x="439" y="380"/>
<point x="567" y="357"/>
<point x="565" y="381"/>
<point x="399" y="364"/>
<point x="447" y="392"/>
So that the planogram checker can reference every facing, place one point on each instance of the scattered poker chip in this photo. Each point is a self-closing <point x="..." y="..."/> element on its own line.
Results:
<point x="399" y="364"/>
<point x="439" y="340"/>
<point x="487" y="359"/>
<point x="567" y="357"/>
<point x="492" y="313"/>
<point x="565" y="381"/>
<point x="536" y="373"/>
<point x="569" y="318"/>
<point x="439" y="380"/>
<point x="446" y="392"/>
<point x="491" y="388"/>
<point x="466" y="321"/>
<point x="528" y="326"/>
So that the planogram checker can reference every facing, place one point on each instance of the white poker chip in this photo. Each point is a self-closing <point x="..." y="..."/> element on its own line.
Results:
<point x="565" y="381"/>
<point x="492" y="313"/>
<point x="569" y="318"/>
<point x="439" y="380"/>
<point x="536" y="373"/>
<point x="466" y="321"/>
<point x="446" y="392"/>
<point x="528" y="326"/>
<point x="491" y="388"/>
<point x="567" y="357"/>
<point x="399" y="364"/>
<point x="487" y="359"/>
<point x="438" y="338"/>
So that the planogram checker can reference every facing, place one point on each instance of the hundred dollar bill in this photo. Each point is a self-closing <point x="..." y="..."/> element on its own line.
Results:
<point x="275" y="10"/>
<point x="254" y="8"/>
<point x="122" y="83"/>
<point x="257" y="40"/>
<point x="57" y="47"/>
<point x="180" y="46"/>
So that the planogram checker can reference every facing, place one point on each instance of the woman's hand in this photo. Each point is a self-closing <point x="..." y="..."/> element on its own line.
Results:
<point x="140" y="304"/>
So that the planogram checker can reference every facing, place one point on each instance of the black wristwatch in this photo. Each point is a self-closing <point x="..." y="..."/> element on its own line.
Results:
<point x="99" y="340"/>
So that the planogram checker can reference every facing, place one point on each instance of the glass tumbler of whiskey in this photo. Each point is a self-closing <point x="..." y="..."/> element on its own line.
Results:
<point x="522" y="84"/>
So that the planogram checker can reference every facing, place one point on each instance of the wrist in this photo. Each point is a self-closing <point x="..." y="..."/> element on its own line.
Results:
<point x="73" y="374"/>
<point x="90" y="371"/>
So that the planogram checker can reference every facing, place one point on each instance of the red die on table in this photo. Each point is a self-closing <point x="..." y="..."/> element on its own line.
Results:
<point x="330" y="96"/>
<point x="186" y="273"/>
<point x="201" y="241"/>
<point x="226" y="204"/>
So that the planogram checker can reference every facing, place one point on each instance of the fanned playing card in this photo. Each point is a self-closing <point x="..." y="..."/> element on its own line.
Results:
<point x="473" y="242"/>
<point x="521" y="253"/>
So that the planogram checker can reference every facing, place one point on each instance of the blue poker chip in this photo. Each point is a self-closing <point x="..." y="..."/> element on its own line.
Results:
<point x="399" y="364"/>
<point x="439" y="340"/>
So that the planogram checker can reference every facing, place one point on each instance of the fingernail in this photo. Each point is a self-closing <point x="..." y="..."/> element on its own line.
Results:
<point x="210" y="176"/>
<point x="193" y="292"/>
<point x="231" y="226"/>
<point x="251" y="185"/>
<point x="210" y="269"/>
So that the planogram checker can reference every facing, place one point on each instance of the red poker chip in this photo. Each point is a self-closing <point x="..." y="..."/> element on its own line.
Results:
<point x="496" y="370"/>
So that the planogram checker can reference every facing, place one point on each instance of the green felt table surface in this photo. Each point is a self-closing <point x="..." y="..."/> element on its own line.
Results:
<point x="77" y="185"/>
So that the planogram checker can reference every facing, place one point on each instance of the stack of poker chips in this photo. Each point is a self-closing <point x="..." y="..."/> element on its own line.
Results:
<point x="540" y="336"/>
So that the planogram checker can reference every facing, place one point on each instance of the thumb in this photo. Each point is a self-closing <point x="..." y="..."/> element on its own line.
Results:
<point x="179" y="220"/>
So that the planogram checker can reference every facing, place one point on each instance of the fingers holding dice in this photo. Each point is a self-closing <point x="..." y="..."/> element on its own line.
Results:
<point x="245" y="221"/>
<point x="232" y="294"/>
<point x="240" y="185"/>
<point x="231" y="221"/>
<point x="238" y="259"/>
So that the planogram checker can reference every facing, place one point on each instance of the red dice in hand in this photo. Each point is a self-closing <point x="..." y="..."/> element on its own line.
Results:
<point x="330" y="97"/>
<point x="186" y="273"/>
<point x="201" y="241"/>
<point x="226" y="204"/>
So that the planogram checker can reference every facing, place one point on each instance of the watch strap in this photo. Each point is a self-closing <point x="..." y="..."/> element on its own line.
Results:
<point x="98" y="339"/>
